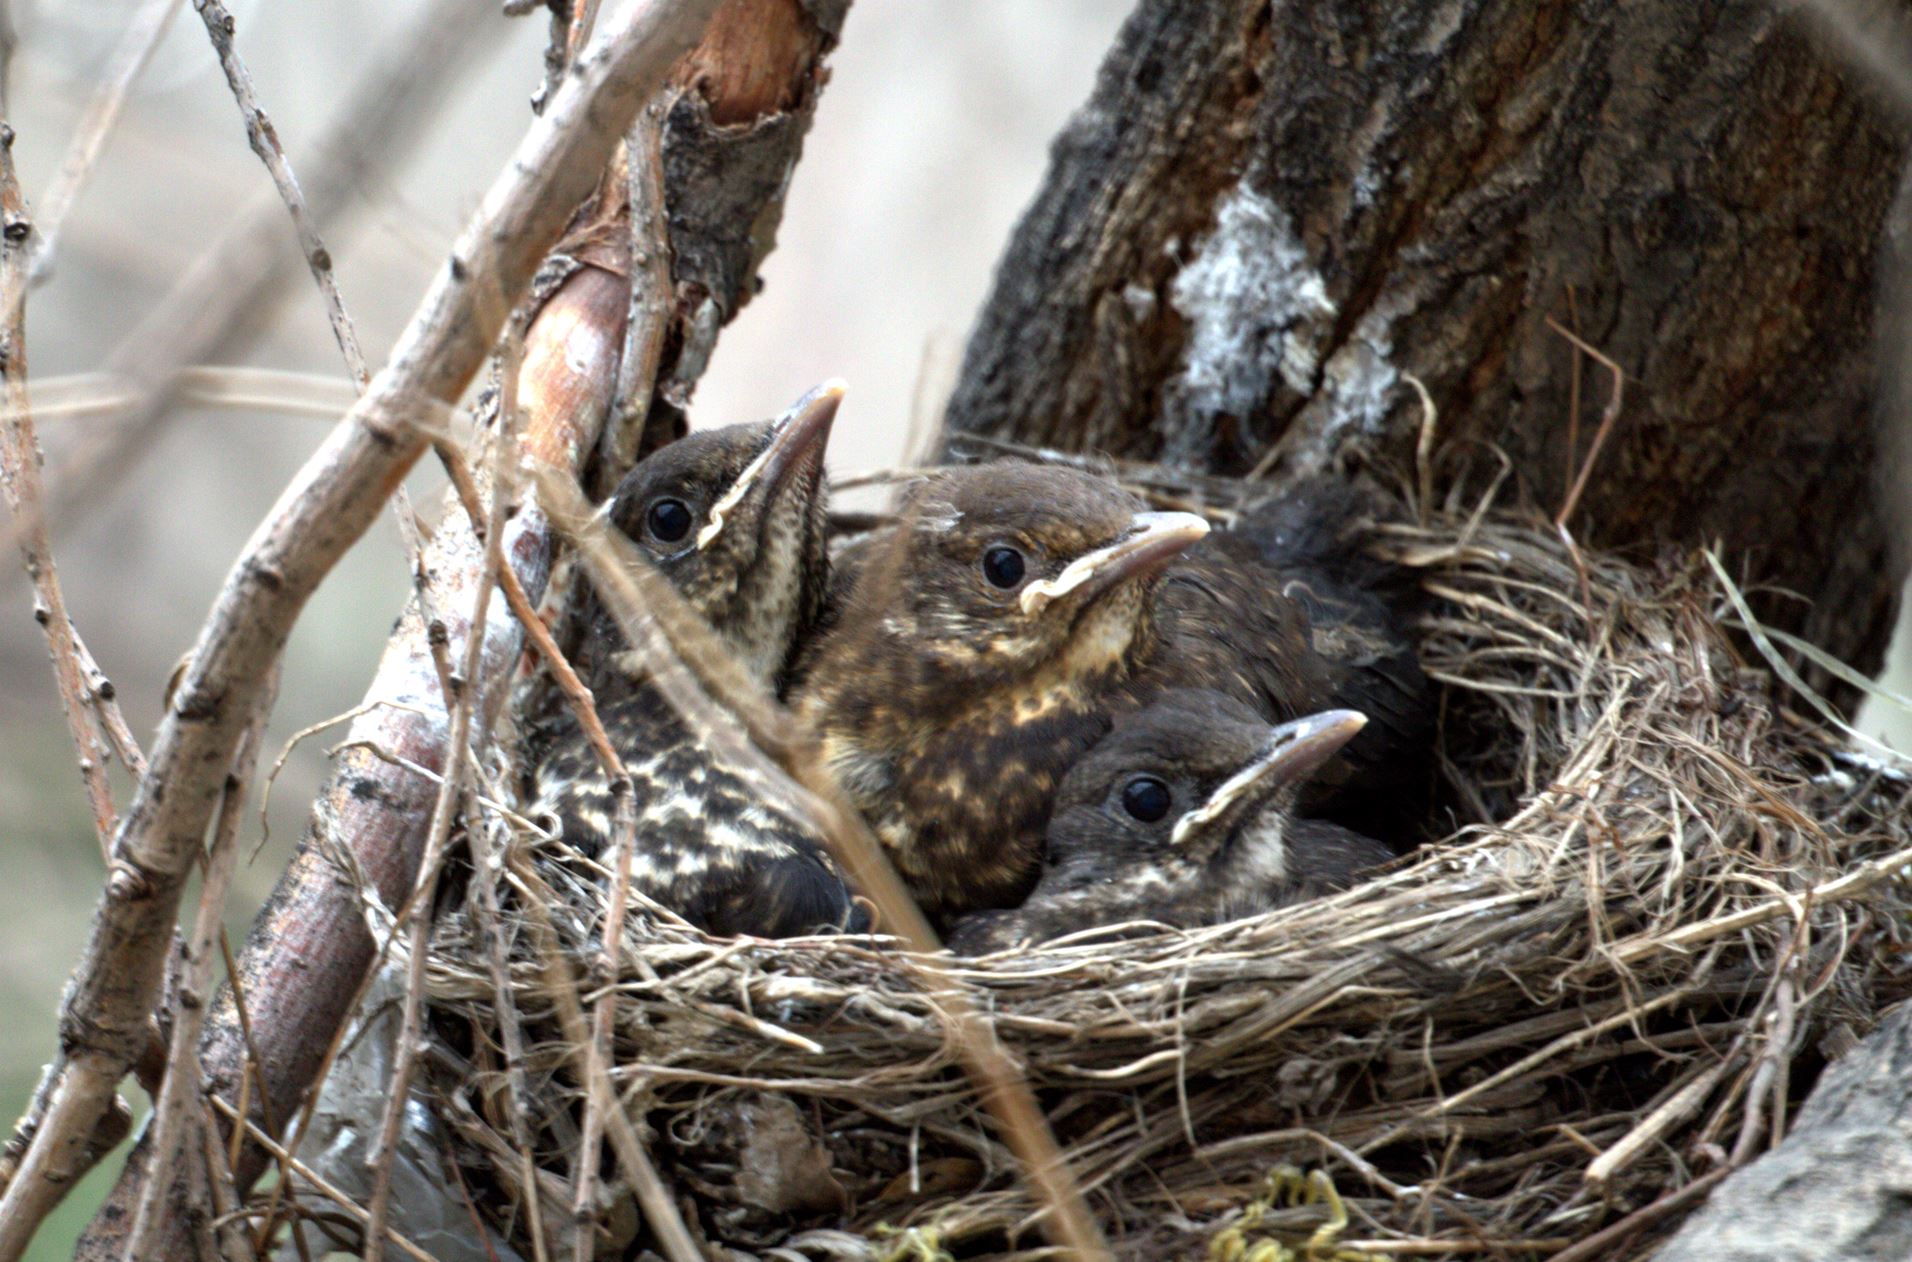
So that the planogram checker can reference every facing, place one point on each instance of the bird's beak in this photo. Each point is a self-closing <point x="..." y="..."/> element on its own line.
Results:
<point x="797" y="442"/>
<point x="1293" y="752"/>
<point x="1151" y="540"/>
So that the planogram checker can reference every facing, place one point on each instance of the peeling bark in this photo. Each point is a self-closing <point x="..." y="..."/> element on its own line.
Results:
<point x="1267" y="217"/>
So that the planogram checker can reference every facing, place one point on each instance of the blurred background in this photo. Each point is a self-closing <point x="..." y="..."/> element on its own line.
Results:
<point x="929" y="139"/>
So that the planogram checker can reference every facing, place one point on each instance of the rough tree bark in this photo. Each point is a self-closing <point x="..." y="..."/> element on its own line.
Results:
<point x="1838" y="1186"/>
<point x="1268" y="217"/>
<point x="738" y="109"/>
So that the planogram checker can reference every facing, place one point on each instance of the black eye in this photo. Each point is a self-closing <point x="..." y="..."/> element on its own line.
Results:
<point x="1146" y="798"/>
<point x="669" y="520"/>
<point x="1002" y="566"/>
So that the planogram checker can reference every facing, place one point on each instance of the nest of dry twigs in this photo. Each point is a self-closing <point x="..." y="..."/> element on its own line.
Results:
<point x="1665" y="900"/>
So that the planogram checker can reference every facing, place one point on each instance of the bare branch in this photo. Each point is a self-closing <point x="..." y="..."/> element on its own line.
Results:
<point x="264" y="139"/>
<point x="323" y="512"/>
<point x="465" y="694"/>
<point x="20" y="478"/>
<point x="177" y="1114"/>
<point x="148" y="26"/>
<point x="648" y="318"/>
<point x="217" y="304"/>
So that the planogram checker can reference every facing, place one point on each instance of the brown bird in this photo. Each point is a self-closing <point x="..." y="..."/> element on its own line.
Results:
<point x="1016" y="609"/>
<point x="973" y="661"/>
<point x="734" y="518"/>
<point x="1286" y="612"/>
<point x="1185" y="814"/>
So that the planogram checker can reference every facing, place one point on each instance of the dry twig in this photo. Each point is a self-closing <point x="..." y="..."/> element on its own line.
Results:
<point x="325" y="510"/>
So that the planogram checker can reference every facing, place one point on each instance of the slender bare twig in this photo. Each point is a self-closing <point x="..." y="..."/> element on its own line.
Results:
<point x="229" y="1226"/>
<point x="130" y="58"/>
<point x="326" y="509"/>
<point x="20" y="477"/>
<point x="1609" y="415"/>
<point x="486" y="863"/>
<point x="177" y="1111"/>
<point x="468" y="696"/>
<point x="583" y="16"/>
<point x="597" y="1051"/>
<point x="217" y="303"/>
<point x="746" y="724"/>
<point x="318" y="1182"/>
<point x="652" y="1196"/>
<point x="264" y="139"/>
<point x="659" y="1209"/>
<point x="104" y="698"/>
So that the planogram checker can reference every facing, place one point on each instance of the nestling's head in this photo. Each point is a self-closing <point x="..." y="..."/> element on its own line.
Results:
<point x="997" y="572"/>
<point x="1192" y="778"/>
<point x="734" y="518"/>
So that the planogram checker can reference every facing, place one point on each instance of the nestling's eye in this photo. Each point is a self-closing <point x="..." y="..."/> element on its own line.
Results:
<point x="1146" y="798"/>
<point x="1003" y="566"/>
<point x="668" y="520"/>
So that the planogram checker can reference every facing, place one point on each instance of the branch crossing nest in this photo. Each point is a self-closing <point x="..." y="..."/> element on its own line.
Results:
<point x="1665" y="901"/>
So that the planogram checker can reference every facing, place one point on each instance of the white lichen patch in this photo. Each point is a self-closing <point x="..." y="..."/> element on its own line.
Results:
<point x="1361" y="383"/>
<point x="1256" y="309"/>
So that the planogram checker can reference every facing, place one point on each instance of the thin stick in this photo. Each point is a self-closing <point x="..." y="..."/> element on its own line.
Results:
<point x="1608" y="416"/>
<point x="466" y="697"/>
<point x="130" y="59"/>
<point x="647" y="316"/>
<point x="491" y="921"/>
<point x="652" y="1196"/>
<point x="319" y="1183"/>
<point x="176" y="1112"/>
<point x="264" y="139"/>
<point x="665" y="1221"/>
<point x="576" y="692"/>
<point x="327" y="508"/>
<point x="20" y="477"/>
<point x="1600" y="1243"/>
<point x="1576" y="375"/>
<point x="105" y="700"/>
<point x="216" y="303"/>
<point x="228" y="1228"/>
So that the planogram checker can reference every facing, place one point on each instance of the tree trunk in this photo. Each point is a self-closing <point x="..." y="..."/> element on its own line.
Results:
<point x="1268" y="218"/>
<point x="1838" y="1186"/>
<point x="1268" y="221"/>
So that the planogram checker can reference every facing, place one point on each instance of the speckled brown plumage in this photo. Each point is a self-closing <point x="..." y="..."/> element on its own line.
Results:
<point x="950" y="709"/>
<point x="734" y="518"/>
<point x="1184" y="814"/>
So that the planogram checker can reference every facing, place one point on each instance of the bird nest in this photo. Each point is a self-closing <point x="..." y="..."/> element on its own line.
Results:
<point x="1657" y="901"/>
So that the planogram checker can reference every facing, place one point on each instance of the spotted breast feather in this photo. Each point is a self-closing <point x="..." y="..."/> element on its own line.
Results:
<point x="716" y="844"/>
<point x="733" y="518"/>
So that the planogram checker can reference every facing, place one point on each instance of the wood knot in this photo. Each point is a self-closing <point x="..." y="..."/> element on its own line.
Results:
<point x="126" y="883"/>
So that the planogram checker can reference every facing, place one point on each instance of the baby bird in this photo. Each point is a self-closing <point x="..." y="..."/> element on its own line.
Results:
<point x="1286" y="612"/>
<point x="734" y="518"/>
<point x="1185" y="814"/>
<point x="972" y="662"/>
<point x="1015" y="610"/>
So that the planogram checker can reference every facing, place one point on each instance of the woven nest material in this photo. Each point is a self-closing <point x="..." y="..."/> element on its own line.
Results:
<point x="1665" y="902"/>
